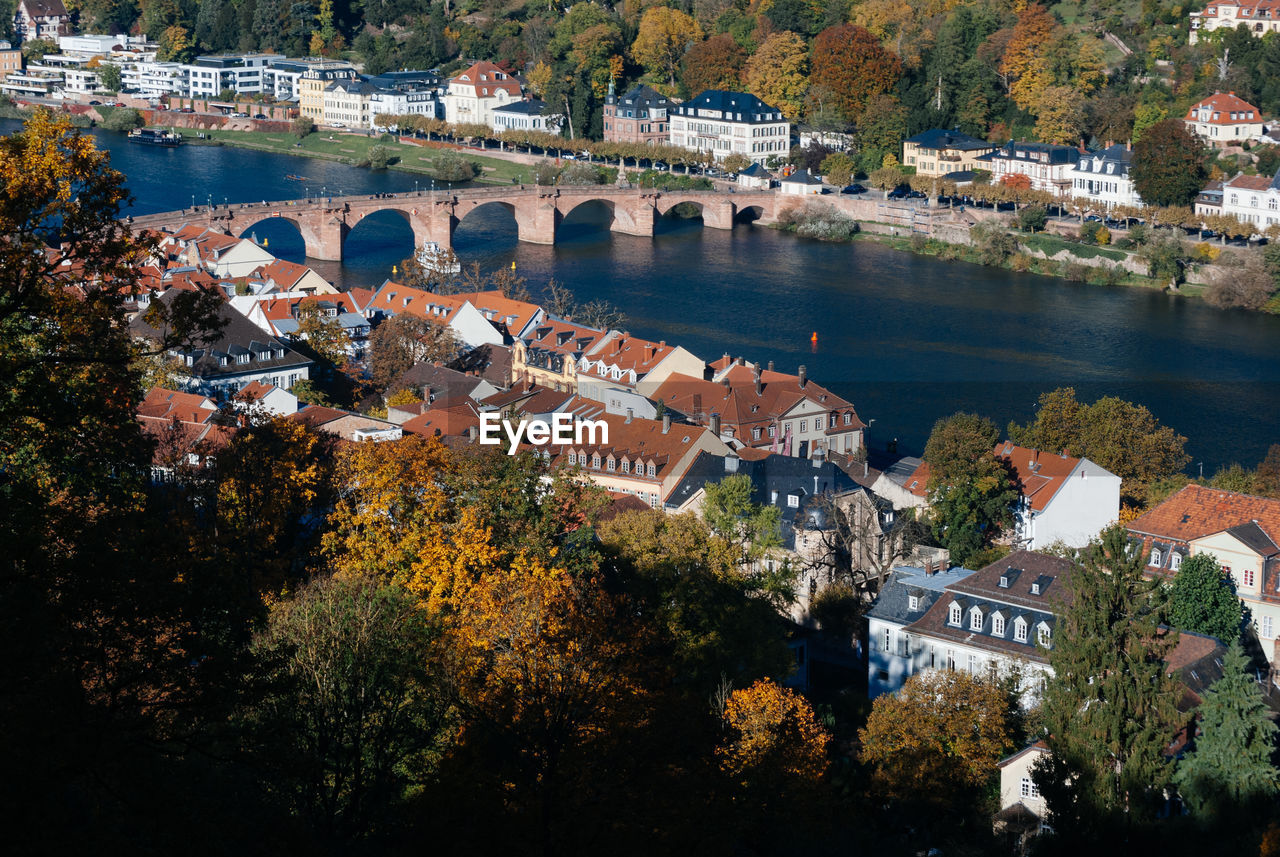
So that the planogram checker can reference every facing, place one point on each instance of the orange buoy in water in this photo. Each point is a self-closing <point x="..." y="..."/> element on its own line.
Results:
<point x="814" y="338"/>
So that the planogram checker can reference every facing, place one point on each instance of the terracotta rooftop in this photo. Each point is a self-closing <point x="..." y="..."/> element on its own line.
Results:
<point x="626" y="353"/>
<point x="1228" y="109"/>
<point x="510" y="315"/>
<point x="1041" y="474"/>
<point x="1197" y="511"/>
<point x="486" y="79"/>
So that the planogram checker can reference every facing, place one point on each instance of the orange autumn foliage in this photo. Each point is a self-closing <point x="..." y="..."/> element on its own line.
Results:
<point x="941" y="730"/>
<point x="774" y="738"/>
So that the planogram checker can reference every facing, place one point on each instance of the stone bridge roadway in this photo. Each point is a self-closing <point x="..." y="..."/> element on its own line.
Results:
<point x="433" y="215"/>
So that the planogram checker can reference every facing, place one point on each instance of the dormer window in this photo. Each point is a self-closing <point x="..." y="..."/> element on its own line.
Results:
<point x="955" y="615"/>
<point x="1156" y="557"/>
<point x="913" y="603"/>
<point x="1175" y="560"/>
<point x="1043" y="635"/>
<point x="653" y="469"/>
<point x="573" y="458"/>
<point x="626" y="466"/>
<point x="997" y="625"/>
<point x="611" y="464"/>
<point x="1004" y="581"/>
<point x="793" y="501"/>
<point x="595" y="461"/>
<point x="1020" y="630"/>
<point x="975" y="619"/>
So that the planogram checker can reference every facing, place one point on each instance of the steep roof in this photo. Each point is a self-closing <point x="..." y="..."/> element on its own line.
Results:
<point x="801" y="177"/>
<point x="1197" y="511"/>
<point x="563" y="337"/>
<point x="627" y="353"/>
<point x="486" y="79"/>
<point x="739" y="106"/>
<point x="940" y="138"/>
<point x="1243" y="182"/>
<point x="1035" y="580"/>
<point x="1020" y="151"/>
<point x="508" y="315"/>
<point x="643" y="98"/>
<point x="1041" y="474"/>
<point x="1226" y="108"/>
<point x="45" y="8"/>
<point x="443" y="381"/>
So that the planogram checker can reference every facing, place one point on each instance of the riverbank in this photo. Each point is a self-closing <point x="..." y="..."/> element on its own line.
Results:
<point x="353" y="149"/>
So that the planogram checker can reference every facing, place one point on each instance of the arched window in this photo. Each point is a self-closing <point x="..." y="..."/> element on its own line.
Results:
<point x="956" y="614"/>
<point x="1020" y="630"/>
<point x="975" y="619"/>
<point x="997" y="625"/>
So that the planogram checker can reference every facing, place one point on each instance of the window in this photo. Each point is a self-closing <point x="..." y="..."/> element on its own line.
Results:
<point x="1020" y="630"/>
<point x="913" y="603"/>
<point x="595" y="461"/>
<point x="1043" y="636"/>
<point x="973" y="664"/>
<point x="955" y="615"/>
<point x="1175" y="560"/>
<point x="611" y="464"/>
<point x="626" y="466"/>
<point x="793" y="501"/>
<point x="1268" y="629"/>
<point x="653" y="470"/>
<point x="997" y="625"/>
<point x="1029" y="788"/>
<point x="755" y="433"/>
<point x="888" y="640"/>
<point x="773" y="431"/>
<point x="1246" y="576"/>
<point x="975" y="619"/>
<point x="848" y="419"/>
<point x="573" y="458"/>
<point x="951" y="659"/>
<point x="1155" y="557"/>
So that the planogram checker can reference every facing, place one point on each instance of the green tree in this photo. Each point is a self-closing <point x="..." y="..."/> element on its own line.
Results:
<point x="1121" y="436"/>
<point x="348" y="707"/>
<point x="971" y="492"/>
<point x="302" y="126"/>
<point x="777" y="73"/>
<point x="754" y="531"/>
<point x="323" y="333"/>
<point x="452" y="166"/>
<point x="1109" y="710"/>
<point x="1230" y="772"/>
<point x="1033" y="218"/>
<point x="122" y="119"/>
<point x="1168" y="164"/>
<point x="882" y="126"/>
<point x="402" y="341"/>
<point x="838" y="168"/>
<point x="109" y="77"/>
<point x="1203" y="599"/>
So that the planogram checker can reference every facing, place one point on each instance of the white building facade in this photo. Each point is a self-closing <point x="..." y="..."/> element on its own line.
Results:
<point x="730" y="123"/>
<point x="1102" y="179"/>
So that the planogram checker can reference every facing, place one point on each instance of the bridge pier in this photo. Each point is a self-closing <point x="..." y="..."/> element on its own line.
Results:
<point x="635" y="219"/>
<point x="718" y="215"/>
<point x="541" y="228"/>
<point x="323" y="234"/>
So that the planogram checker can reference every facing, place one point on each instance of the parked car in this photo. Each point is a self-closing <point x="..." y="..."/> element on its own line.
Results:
<point x="187" y="110"/>
<point x="917" y="194"/>
<point x="259" y="116"/>
<point x="94" y="103"/>
<point x="239" y="115"/>
<point x="899" y="193"/>
<point x="854" y="188"/>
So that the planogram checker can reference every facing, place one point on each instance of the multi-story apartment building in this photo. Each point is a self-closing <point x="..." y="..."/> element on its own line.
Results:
<point x="1251" y="199"/>
<point x="937" y="152"/>
<point x="730" y="123"/>
<point x="623" y="363"/>
<point x="1258" y="16"/>
<point x="1047" y="165"/>
<point x="347" y="103"/>
<point x="761" y="408"/>
<point x="242" y="74"/>
<point x="1243" y="534"/>
<point x="475" y="92"/>
<point x="639" y="116"/>
<point x="10" y="59"/>
<point x="548" y="355"/>
<point x="311" y="85"/>
<point x="406" y="93"/>
<point x="1224" y="119"/>
<point x="41" y="19"/>
<point x="1102" y="178"/>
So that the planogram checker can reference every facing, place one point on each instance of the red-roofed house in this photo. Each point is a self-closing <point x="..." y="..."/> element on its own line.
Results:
<point x="186" y="429"/>
<point x="1252" y="199"/>
<point x="475" y="92"/>
<point x="283" y="276"/>
<point x="41" y="19"/>
<point x="458" y="314"/>
<point x="1224" y="119"/>
<point x="766" y="409"/>
<point x="1064" y="499"/>
<point x="1259" y="17"/>
<point x="511" y="317"/>
<point x="1240" y="530"/>
<point x="624" y="362"/>
<point x="220" y="254"/>
<point x="348" y="425"/>
<point x="548" y="355"/>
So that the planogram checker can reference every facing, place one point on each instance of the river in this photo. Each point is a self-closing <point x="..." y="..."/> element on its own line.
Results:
<point x="906" y="338"/>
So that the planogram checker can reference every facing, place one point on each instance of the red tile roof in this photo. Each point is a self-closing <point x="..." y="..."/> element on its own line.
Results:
<point x="512" y="315"/>
<point x="1197" y="511"/>
<point x="1244" y="182"/>
<point x="486" y="79"/>
<point x="1040" y="473"/>
<point x="1224" y="104"/>
<point x="283" y="273"/>
<point x="628" y="354"/>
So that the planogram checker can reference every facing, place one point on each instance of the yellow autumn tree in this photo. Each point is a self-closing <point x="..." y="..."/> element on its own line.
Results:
<point x="1025" y="61"/>
<point x="664" y="35"/>
<point x="943" y="730"/>
<point x="778" y="73"/>
<point x="774" y="741"/>
<point x="1059" y="114"/>
<point x="539" y="78"/>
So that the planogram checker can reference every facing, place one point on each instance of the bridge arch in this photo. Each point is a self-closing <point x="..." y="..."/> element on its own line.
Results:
<point x="284" y="236"/>
<point x="748" y="214"/>
<point x="387" y="232"/>
<point x="585" y="212"/>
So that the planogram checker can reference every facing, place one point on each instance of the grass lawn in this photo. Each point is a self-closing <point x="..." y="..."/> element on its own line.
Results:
<point x="1051" y="244"/>
<point x="351" y="148"/>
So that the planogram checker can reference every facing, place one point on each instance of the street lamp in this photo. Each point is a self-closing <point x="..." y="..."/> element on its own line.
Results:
<point x="415" y="187"/>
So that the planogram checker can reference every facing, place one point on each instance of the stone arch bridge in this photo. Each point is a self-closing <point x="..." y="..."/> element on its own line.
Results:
<point x="433" y="215"/>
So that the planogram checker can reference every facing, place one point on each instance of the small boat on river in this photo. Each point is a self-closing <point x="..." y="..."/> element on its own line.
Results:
<point x="291" y="177"/>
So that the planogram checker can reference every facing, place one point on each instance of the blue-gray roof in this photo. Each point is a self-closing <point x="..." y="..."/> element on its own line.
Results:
<point x="1111" y="161"/>
<point x="939" y="138"/>
<point x="1022" y="152"/>
<point x="755" y="171"/>
<point x="740" y="106"/>
<point x="802" y="177"/>
<point x="642" y="98"/>
<point x="531" y="107"/>
<point x="893" y="604"/>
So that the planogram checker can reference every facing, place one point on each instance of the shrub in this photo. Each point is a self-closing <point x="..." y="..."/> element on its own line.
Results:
<point x="122" y="119"/>
<point x="378" y="158"/>
<point x="993" y="244"/>
<point x="820" y="221"/>
<point x="1075" y="271"/>
<point x="1033" y="218"/>
<point x="1206" y="252"/>
<point x="545" y="173"/>
<point x="1103" y="236"/>
<point x="1020" y="262"/>
<point x="451" y="166"/>
<point x="302" y="126"/>
<point x="919" y="243"/>
<point x="579" y="173"/>
<point x="1089" y="232"/>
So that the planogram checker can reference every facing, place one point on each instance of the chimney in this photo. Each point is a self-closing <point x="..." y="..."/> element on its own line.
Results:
<point x="715" y="424"/>
<point x="630" y="413"/>
<point x="804" y="377"/>
<point x="666" y="423"/>
<point x="1082" y="145"/>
